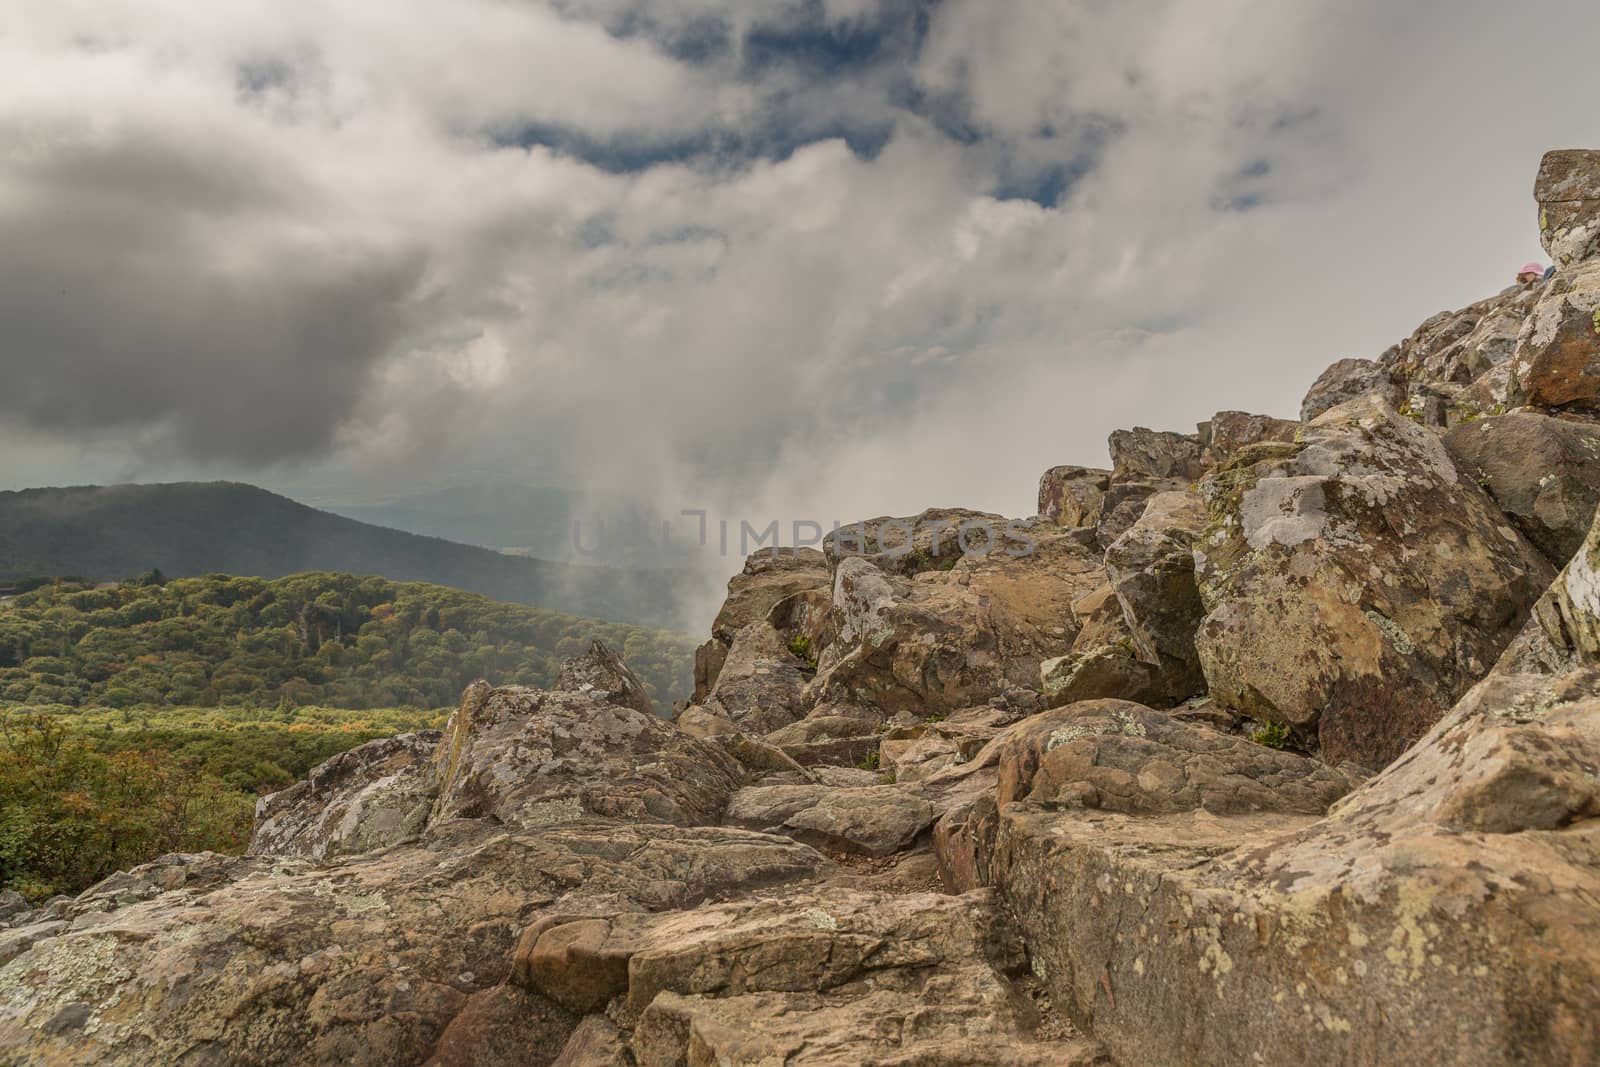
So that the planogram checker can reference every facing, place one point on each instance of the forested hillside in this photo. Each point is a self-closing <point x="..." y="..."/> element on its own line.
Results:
<point x="331" y="640"/>
<point x="191" y="529"/>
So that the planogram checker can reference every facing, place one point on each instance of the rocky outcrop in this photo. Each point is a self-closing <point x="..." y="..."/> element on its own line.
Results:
<point x="1568" y="192"/>
<point x="526" y="757"/>
<point x="372" y="796"/>
<point x="951" y="639"/>
<point x="364" y="962"/>
<point x="1557" y="361"/>
<point x="600" y="672"/>
<point x="1447" y="908"/>
<point x="814" y="978"/>
<point x="1347" y="380"/>
<point x="1543" y="472"/>
<point x="768" y="578"/>
<point x="1072" y="496"/>
<point x="1356" y="584"/>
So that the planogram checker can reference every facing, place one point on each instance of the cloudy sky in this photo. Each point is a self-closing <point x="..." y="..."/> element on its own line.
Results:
<point x="775" y="258"/>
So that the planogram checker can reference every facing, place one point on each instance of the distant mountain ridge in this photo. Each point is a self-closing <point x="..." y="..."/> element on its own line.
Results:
<point x="544" y="522"/>
<point x="193" y="528"/>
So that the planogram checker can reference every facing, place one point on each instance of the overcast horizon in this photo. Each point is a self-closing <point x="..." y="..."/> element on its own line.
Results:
<point x="777" y="260"/>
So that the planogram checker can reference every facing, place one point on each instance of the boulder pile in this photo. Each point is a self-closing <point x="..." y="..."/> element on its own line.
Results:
<point x="1274" y="743"/>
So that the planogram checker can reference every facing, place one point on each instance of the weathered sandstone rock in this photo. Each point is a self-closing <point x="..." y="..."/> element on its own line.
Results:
<point x="1542" y="472"/>
<point x="372" y="796"/>
<point x="600" y="672"/>
<point x="1568" y="192"/>
<point x="1071" y="496"/>
<point x="1447" y="909"/>
<point x="1557" y="362"/>
<point x="1346" y="380"/>
<point x="872" y="821"/>
<point x="945" y="641"/>
<point x="1357" y="584"/>
<point x="533" y="758"/>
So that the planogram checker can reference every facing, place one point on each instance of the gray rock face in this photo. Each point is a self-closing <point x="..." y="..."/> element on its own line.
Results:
<point x="950" y="640"/>
<point x="1357" y="584"/>
<point x="935" y="540"/>
<point x="1072" y="496"/>
<point x="375" y="795"/>
<point x="1151" y="569"/>
<point x="1346" y="380"/>
<point x="1115" y="755"/>
<point x="1568" y="192"/>
<point x="600" y="672"/>
<point x="532" y="758"/>
<point x="1146" y="453"/>
<point x="1544" y="473"/>
<point x="870" y="821"/>
<point x="767" y="578"/>
<point x="762" y="684"/>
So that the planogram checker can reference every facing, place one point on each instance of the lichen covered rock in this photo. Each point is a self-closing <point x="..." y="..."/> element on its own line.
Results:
<point x="372" y="796"/>
<point x="1568" y="192"/>
<point x="1356" y="584"/>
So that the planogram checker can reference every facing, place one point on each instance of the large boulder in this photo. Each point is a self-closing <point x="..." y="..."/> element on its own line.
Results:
<point x="949" y="640"/>
<point x="1346" y="380"/>
<point x="1568" y="192"/>
<point x="762" y="684"/>
<point x="824" y="977"/>
<point x="1125" y="502"/>
<point x="1151" y="570"/>
<point x="1105" y="662"/>
<point x="602" y="673"/>
<point x="935" y="540"/>
<point x="1071" y="496"/>
<point x="1543" y="472"/>
<point x="1446" y="911"/>
<point x="372" y="796"/>
<point x="1231" y="432"/>
<point x="768" y="577"/>
<point x="1557" y="362"/>
<point x="1356" y="584"/>
<point x="1116" y="755"/>
<point x="872" y="820"/>
<point x="1146" y="453"/>
<point x="532" y="758"/>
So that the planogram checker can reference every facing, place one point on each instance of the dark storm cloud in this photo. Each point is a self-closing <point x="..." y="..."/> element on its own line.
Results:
<point x="152" y="280"/>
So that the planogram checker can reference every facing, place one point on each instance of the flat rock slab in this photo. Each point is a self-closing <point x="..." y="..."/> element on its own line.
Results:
<point x="823" y="976"/>
<point x="871" y="821"/>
